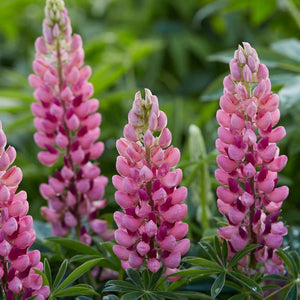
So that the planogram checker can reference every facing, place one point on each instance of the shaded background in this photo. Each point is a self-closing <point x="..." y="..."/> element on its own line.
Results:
<point x="176" y="48"/>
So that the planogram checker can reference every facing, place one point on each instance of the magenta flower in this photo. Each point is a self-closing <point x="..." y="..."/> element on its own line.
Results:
<point x="68" y="126"/>
<point x="249" y="161"/>
<point x="150" y="226"/>
<point x="17" y="263"/>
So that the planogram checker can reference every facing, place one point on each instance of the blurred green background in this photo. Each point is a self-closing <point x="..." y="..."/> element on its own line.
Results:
<point x="179" y="50"/>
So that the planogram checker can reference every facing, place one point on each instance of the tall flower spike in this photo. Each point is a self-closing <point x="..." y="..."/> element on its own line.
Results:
<point x="17" y="263"/>
<point x="68" y="126"/>
<point x="249" y="161"/>
<point x="150" y="226"/>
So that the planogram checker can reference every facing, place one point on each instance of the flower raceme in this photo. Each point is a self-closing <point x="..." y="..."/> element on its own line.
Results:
<point x="17" y="263"/>
<point x="249" y="161"/>
<point x="68" y="126"/>
<point x="150" y="227"/>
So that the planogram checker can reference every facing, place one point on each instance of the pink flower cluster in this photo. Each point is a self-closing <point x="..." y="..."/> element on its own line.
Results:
<point x="68" y="126"/>
<point x="17" y="264"/>
<point x="150" y="226"/>
<point x="249" y="161"/>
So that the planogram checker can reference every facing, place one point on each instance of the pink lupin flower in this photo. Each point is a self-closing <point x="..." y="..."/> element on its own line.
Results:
<point x="151" y="228"/>
<point x="249" y="161"/>
<point x="68" y="126"/>
<point x="17" y="263"/>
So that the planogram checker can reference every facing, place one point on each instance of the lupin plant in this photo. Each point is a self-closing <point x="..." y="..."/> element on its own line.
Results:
<point x="68" y="127"/>
<point x="18" y="277"/>
<point x="150" y="227"/>
<point x="249" y="162"/>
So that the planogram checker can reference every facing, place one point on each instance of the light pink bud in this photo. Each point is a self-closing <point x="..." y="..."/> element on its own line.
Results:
<point x="228" y="84"/>
<point x="237" y="122"/>
<point x="33" y="281"/>
<point x="25" y="223"/>
<point x="135" y="260"/>
<point x="179" y="195"/>
<point x="172" y="179"/>
<point x="225" y="135"/>
<point x="143" y="211"/>
<point x="121" y="252"/>
<point x="260" y="89"/>
<point x="131" y="223"/>
<point x="273" y="207"/>
<point x="96" y="150"/>
<point x="247" y="199"/>
<point x="15" y="285"/>
<point x="172" y="156"/>
<point x="4" y="194"/>
<point x="273" y="240"/>
<point x="129" y="133"/>
<point x="49" y="78"/>
<point x="12" y="177"/>
<point x="227" y="105"/>
<point x="267" y="185"/>
<point x="159" y="196"/>
<point x="145" y="174"/>
<point x="123" y="238"/>
<point x="265" y="121"/>
<point x="235" y="216"/>
<point x="25" y="239"/>
<point x="18" y="208"/>
<point x="142" y="248"/>
<point x="235" y="70"/>
<point x="168" y="243"/>
<point x="226" y="195"/>
<point x="35" y="81"/>
<point x="278" y="164"/>
<point x="73" y="122"/>
<point x="226" y="164"/>
<point x="173" y="213"/>
<point x="165" y="138"/>
<point x="241" y="91"/>
<point x="179" y="230"/>
<point x="183" y="246"/>
<point x="148" y="138"/>
<point x="262" y="72"/>
<point x="49" y="214"/>
<point x="46" y="190"/>
<point x="153" y="122"/>
<point x="161" y="120"/>
<point x="279" y="194"/>
<point x="268" y="154"/>
<point x="249" y="170"/>
<point x="153" y="265"/>
<point x="66" y="95"/>
<point x="173" y="260"/>
<point x="238" y="243"/>
<point x="235" y="153"/>
<point x="21" y="263"/>
<point x="278" y="228"/>
<point x="247" y="73"/>
<point x="277" y="134"/>
<point x="61" y="140"/>
<point x="150" y="228"/>
<point x="227" y="232"/>
<point x="76" y="42"/>
<point x="10" y="226"/>
<point x="34" y="257"/>
<point x="223" y="207"/>
<point x="98" y="225"/>
<point x="251" y="109"/>
<point x="70" y="219"/>
<point x="123" y="199"/>
<point x="4" y="249"/>
<point x="40" y="45"/>
<point x="47" y="158"/>
<point x="250" y="137"/>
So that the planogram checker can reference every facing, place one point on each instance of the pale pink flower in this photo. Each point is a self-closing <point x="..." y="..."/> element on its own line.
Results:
<point x="150" y="227"/>
<point x="68" y="127"/>
<point x="17" y="263"/>
<point x="249" y="160"/>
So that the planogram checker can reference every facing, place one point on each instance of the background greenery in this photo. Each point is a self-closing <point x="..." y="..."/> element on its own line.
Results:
<point x="178" y="50"/>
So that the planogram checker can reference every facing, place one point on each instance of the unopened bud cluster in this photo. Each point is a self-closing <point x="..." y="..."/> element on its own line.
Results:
<point x="150" y="227"/>
<point x="17" y="263"/>
<point x="68" y="127"/>
<point x="249" y="161"/>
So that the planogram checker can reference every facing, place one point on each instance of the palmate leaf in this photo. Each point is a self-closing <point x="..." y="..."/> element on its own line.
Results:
<point x="292" y="293"/>
<point x="210" y="251"/>
<point x="218" y="285"/>
<point x="191" y="294"/>
<point x="133" y="295"/>
<point x="76" y="290"/>
<point x="119" y="286"/>
<point x="289" y="262"/>
<point x="196" y="272"/>
<point x="60" y="274"/>
<point x="78" y="272"/>
<point x="203" y="263"/>
<point x="246" y="281"/>
<point x="135" y="278"/>
<point x="47" y="271"/>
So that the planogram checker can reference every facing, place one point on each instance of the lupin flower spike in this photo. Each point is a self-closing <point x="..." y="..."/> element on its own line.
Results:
<point x="68" y="126"/>
<point x="249" y="161"/>
<point x="17" y="275"/>
<point x="150" y="226"/>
